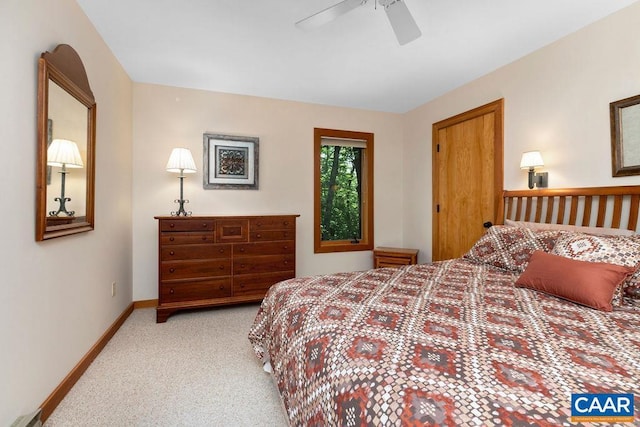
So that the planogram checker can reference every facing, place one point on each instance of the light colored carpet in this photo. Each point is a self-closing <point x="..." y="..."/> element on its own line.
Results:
<point x="198" y="369"/>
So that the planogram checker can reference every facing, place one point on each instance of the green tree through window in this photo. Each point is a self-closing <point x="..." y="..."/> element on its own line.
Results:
<point x="341" y="169"/>
<point x="344" y="190"/>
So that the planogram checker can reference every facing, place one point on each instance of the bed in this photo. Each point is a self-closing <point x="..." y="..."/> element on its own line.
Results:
<point x="501" y="336"/>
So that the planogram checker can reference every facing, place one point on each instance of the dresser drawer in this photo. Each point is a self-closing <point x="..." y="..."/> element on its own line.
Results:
<point x="232" y="231"/>
<point x="383" y="262"/>
<point x="194" y="290"/>
<point x="187" y="224"/>
<point x="185" y="238"/>
<point x="193" y="252"/>
<point x="272" y="223"/>
<point x="271" y="235"/>
<point x="270" y="248"/>
<point x="170" y="270"/>
<point x="258" y="284"/>
<point x="264" y="264"/>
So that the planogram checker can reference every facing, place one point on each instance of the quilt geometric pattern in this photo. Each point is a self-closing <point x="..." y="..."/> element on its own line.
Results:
<point x="619" y="250"/>
<point x="452" y="343"/>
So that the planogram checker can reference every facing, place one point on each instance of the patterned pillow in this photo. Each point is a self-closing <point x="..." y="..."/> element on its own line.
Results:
<point x="510" y="248"/>
<point x="620" y="250"/>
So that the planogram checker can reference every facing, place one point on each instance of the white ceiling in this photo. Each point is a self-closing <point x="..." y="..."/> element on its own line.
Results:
<point x="252" y="47"/>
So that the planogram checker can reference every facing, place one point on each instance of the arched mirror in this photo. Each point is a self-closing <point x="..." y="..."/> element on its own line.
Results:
<point x="66" y="146"/>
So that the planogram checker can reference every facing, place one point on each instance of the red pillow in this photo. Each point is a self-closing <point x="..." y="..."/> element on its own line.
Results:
<point x="583" y="282"/>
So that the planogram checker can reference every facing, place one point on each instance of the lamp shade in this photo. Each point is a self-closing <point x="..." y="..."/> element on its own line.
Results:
<point x="181" y="160"/>
<point x="63" y="152"/>
<point x="531" y="159"/>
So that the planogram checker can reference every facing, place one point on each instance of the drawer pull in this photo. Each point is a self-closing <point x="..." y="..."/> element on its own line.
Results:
<point x="258" y="236"/>
<point x="221" y="250"/>
<point x="172" y="253"/>
<point x="171" y="239"/>
<point x="221" y="267"/>
<point x="241" y="249"/>
<point x="242" y="265"/>
<point x="172" y="291"/>
<point x="204" y="225"/>
<point x="204" y="237"/>
<point x="222" y="287"/>
<point x="172" y="225"/>
<point x="286" y="223"/>
<point x="172" y="270"/>
<point x="285" y="247"/>
<point x="286" y="262"/>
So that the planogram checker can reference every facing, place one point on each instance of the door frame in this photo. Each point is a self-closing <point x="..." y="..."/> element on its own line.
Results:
<point x="496" y="107"/>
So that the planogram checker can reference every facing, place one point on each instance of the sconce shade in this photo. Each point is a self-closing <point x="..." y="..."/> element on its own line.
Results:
<point x="181" y="160"/>
<point x="63" y="152"/>
<point x="531" y="159"/>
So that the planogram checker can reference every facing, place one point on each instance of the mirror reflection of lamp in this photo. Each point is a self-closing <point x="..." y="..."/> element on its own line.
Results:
<point x="63" y="154"/>
<point x="181" y="161"/>
<point x="530" y="161"/>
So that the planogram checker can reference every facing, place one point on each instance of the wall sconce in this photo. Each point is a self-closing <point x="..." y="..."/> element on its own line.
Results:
<point x="532" y="160"/>
<point x="181" y="161"/>
<point x="64" y="154"/>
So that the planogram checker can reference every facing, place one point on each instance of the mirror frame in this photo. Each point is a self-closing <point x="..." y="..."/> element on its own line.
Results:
<point x="64" y="67"/>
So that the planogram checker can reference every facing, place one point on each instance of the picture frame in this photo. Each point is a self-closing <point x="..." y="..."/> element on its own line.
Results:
<point x="230" y="162"/>
<point x="625" y="136"/>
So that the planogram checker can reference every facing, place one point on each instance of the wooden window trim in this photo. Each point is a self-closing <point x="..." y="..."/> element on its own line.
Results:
<point x="366" y="243"/>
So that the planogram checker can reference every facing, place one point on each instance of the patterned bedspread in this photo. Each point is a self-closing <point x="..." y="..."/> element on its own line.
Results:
<point x="451" y="343"/>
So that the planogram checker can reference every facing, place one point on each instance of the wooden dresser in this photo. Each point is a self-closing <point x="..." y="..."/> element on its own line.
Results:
<point x="206" y="261"/>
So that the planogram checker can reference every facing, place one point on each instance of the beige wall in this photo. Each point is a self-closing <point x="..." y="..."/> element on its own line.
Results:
<point x="57" y="294"/>
<point x="166" y="117"/>
<point x="556" y="101"/>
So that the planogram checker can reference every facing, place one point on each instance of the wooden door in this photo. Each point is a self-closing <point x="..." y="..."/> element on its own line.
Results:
<point x="467" y="178"/>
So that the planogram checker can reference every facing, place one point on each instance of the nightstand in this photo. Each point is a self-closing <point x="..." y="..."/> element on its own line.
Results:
<point x="394" y="257"/>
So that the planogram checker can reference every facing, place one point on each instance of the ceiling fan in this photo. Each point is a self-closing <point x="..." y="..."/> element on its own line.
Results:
<point x="399" y="16"/>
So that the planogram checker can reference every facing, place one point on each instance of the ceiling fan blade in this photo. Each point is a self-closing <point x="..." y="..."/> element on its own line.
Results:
<point x="402" y="22"/>
<point x="329" y="14"/>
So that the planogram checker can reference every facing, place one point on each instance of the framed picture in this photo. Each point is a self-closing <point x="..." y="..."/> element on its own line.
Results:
<point x="230" y="162"/>
<point x="625" y="136"/>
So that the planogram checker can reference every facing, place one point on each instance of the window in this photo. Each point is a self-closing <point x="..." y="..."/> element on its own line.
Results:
<point x="343" y="211"/>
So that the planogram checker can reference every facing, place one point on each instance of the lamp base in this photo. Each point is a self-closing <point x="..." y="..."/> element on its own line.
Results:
<point x="181" y="210"/>
<point x="62" y="209"/>
<point x="62" y="199"/>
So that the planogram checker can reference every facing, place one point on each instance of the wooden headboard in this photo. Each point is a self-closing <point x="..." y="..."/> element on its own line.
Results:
<point x="613" y="207"/>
